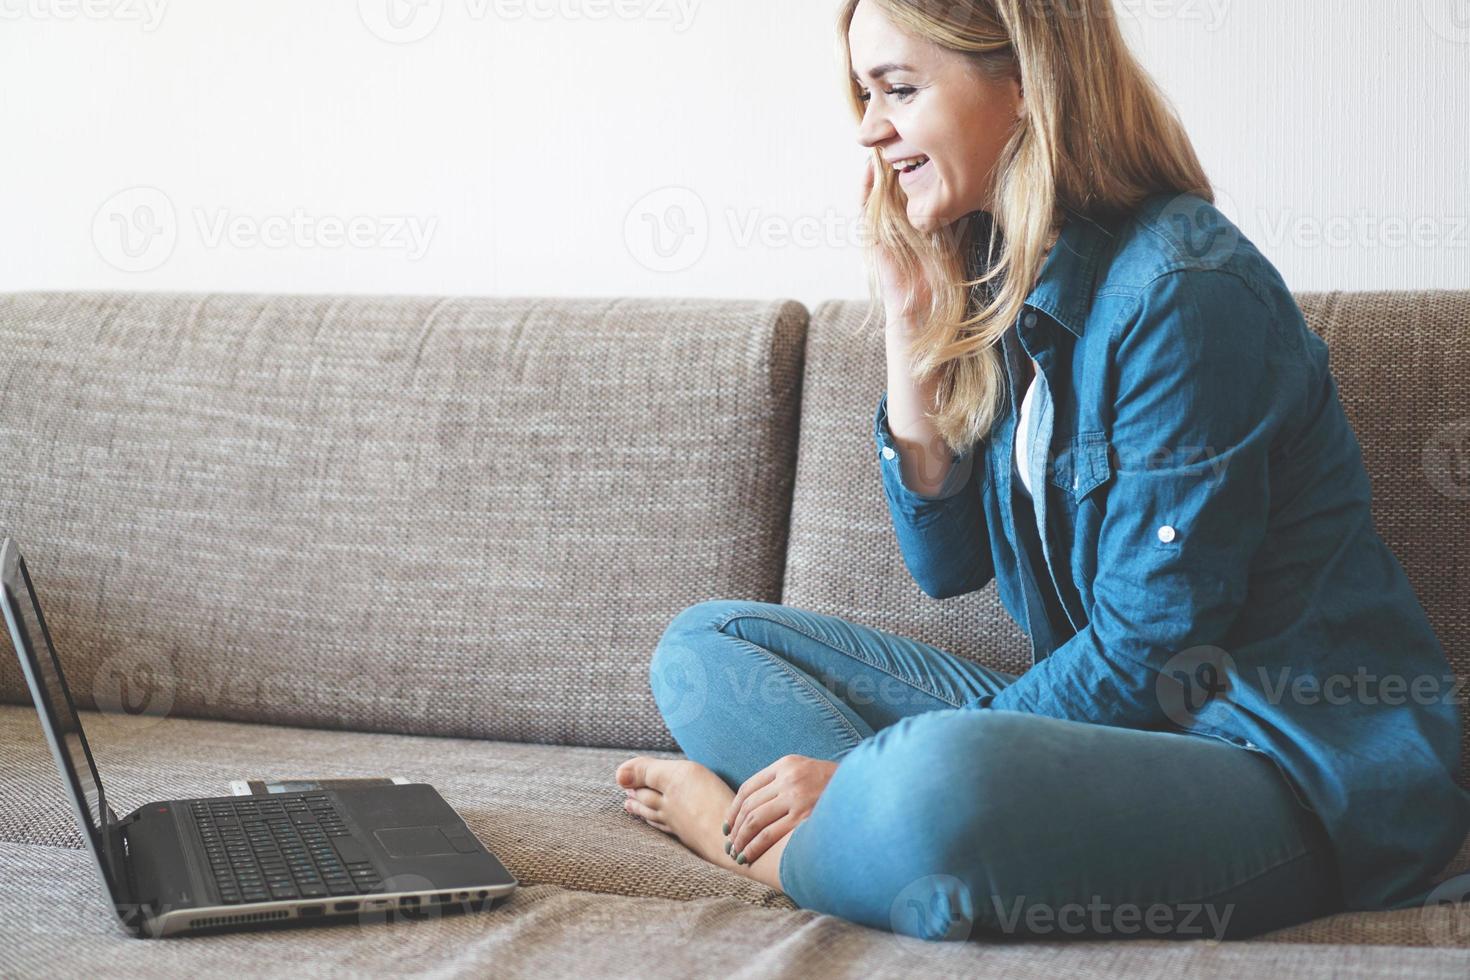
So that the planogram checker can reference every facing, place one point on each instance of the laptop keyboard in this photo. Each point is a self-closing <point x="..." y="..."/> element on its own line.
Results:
<point x="262" y="849"/>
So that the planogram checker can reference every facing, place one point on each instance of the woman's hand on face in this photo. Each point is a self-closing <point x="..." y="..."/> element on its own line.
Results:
<point x="773" y="801"/>
<point x="892" y="284"/>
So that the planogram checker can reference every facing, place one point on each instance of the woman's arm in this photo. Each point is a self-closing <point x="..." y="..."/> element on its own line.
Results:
<point x="932" y="494"/>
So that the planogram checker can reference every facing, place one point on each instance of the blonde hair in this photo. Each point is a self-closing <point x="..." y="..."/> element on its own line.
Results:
<point x="1097" y="137"/>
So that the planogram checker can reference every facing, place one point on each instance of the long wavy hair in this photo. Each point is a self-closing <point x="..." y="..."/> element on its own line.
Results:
<point x="1097" y="137"/>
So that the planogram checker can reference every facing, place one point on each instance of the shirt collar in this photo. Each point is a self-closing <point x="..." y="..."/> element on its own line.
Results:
<point x="1068" y="278"/>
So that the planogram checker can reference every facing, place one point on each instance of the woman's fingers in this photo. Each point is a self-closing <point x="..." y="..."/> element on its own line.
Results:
<point x="752" y="803"/>
<point x="748" y="787"/>
<point x="759" y="818"/>
<point x="769" y="834"/>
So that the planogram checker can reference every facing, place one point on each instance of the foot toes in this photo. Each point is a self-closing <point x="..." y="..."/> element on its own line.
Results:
<point x="647" y="814"/>
<point x="631" y="773"/>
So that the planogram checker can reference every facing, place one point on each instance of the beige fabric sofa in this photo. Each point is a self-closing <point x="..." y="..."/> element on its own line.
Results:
<point x="439" y="538"/>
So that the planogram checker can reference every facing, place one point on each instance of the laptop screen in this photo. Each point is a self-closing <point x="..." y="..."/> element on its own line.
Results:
<point x="53" y="699"/>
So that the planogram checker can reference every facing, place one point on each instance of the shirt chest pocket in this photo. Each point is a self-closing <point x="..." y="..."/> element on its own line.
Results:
<point x="1084" y="466"/>
<point x="1079" y="481"/>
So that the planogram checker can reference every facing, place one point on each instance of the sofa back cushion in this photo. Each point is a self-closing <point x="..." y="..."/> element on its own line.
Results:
<point x="1402" y="367"/>
<point x="468" y="517"/>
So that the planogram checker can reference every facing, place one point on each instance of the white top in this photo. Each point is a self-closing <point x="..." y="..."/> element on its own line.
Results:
<point x="1023" y="447"/>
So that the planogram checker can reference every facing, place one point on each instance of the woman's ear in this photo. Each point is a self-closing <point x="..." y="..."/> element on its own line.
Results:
<point x="1020" y="94"/>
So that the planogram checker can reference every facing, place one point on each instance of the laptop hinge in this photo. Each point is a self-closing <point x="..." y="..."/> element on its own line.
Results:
<point x="130" y="907"/>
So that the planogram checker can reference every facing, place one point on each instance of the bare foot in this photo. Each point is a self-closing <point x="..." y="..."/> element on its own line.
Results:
<point x="682" y="798"/>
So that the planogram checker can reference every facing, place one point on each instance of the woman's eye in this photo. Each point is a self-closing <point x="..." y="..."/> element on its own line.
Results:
<point x="901" y="92"/>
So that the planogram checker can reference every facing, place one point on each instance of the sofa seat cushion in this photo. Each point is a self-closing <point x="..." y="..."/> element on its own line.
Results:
<point x="52" y="923"/>
<point x="552" y="814"/>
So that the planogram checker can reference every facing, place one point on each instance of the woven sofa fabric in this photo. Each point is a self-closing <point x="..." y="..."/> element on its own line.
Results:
<point x="1402" y="364"/>
<point x="468" y="517"/>
<point x="53" y="924"/>
<point x="553" y="814"/>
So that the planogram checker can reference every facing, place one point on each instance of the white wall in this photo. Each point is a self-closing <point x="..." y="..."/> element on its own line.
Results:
<point x="528" y="147"/>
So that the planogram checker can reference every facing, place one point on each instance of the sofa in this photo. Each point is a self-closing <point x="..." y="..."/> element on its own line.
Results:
<point x="439" y="538"/>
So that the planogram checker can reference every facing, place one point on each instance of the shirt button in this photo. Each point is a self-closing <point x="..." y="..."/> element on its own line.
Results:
<point x="1166" y="533"/>
<point x="888" y="452"/>
<point x="1029" y="319"/>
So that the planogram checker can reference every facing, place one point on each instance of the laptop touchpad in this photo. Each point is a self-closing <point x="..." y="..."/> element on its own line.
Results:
<point x="403" y="842"/>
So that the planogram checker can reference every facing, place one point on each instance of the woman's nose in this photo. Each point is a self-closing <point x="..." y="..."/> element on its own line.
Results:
<point x="874" y="128"/>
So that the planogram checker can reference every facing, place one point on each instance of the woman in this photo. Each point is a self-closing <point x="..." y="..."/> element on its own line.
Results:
<point x="1215" y="737"/>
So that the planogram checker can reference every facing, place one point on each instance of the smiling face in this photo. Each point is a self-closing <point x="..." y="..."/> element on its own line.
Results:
<point x="928" y="103"/>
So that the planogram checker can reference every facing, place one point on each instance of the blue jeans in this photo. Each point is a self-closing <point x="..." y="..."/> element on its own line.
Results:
<point x="944" y="822"/>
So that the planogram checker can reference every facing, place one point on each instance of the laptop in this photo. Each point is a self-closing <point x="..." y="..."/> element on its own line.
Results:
<point x="175" y="867"/>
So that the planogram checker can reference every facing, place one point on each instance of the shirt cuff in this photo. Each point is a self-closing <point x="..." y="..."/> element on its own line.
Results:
<point x="888" y="452"/>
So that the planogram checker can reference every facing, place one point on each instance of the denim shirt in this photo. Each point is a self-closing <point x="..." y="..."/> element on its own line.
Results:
<point x="1199" y="554"/>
